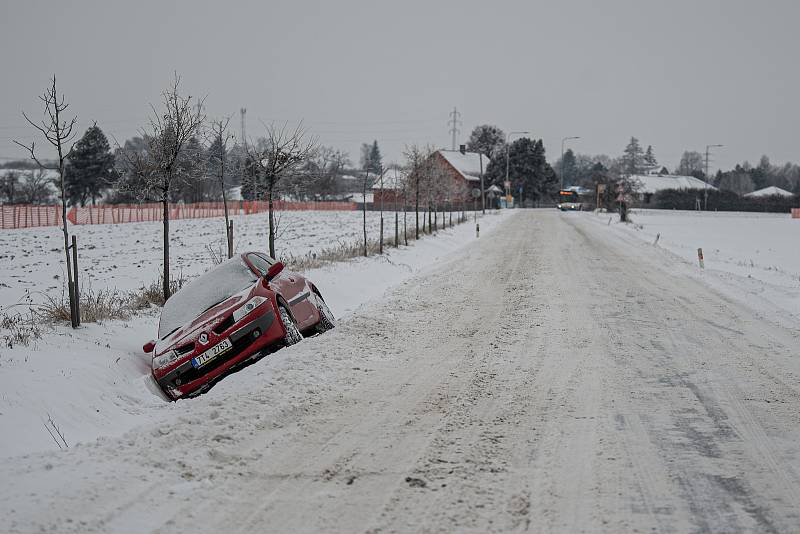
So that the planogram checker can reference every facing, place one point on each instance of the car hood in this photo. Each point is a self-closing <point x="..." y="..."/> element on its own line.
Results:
<point x="204" y="322"/>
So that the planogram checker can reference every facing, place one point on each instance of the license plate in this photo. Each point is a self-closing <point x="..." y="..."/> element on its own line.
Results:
<point x="213" y="352"/>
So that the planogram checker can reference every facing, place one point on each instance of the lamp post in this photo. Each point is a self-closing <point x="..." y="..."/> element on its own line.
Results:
<point x="705" y="188"/>
<point x="561" y="165"/>
<point x="508" y="136"/>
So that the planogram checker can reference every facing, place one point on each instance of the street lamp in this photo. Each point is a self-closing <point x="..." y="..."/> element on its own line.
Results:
<point x="561" y="165"/>
<point x="508" y="136"/>
<point x="705" y="188"/>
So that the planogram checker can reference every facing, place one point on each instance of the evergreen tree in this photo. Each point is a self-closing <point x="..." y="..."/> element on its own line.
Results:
<point x="90" y="168"/>
<point x="567" y="167"/>
<point x="530" y="175"/>
<point x="371" y="159"/>
<point x="650" y="158"/>
<point x="633" y="157"/>
<point x="375" y="157"/>
<point x="488" y="140"/>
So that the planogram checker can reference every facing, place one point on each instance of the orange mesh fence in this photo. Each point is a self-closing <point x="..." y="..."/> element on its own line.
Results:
<point x="27" y="216"/>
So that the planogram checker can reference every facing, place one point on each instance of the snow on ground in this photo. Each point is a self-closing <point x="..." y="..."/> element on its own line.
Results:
<point x="128" y="256"/>
<point x="95" y="381"/>
<point x="559" y="376"/>
<point x="752" y="257"/>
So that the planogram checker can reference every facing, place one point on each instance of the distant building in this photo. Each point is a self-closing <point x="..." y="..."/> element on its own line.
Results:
<point x="463" y="170"/>
<point x="650" y="184"/>
<point x="769" y="192"/>
<point x="390" y="189"/>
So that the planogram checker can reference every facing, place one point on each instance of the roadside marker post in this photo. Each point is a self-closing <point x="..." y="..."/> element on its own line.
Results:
<point x="700" y="258"/>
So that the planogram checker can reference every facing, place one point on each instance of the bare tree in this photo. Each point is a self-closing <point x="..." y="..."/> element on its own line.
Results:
<point x="218" y="137"/>
<point x="158" y="168"/>
<point x="10" y="187"/>
<point x="35" y="187"/>
<point x="415" y="161"/>
<point x="58" y="132"/>
<point x="275" y="157"/>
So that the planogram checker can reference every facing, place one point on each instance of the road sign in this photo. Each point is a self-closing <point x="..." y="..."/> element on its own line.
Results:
<point x="476" y="192"/>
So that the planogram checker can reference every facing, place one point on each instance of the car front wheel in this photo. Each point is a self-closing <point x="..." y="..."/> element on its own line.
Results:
<point x="326" y="320"/>
<point x="293" y="334"/>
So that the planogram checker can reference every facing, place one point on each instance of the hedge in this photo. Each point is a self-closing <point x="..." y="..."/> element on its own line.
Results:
<point x="686" y="199"/>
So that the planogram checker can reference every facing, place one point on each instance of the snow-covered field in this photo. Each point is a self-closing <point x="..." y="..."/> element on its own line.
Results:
<point x="751" y="257"/>
<point x="95" y="381"/>
<point x="127" y="256"/>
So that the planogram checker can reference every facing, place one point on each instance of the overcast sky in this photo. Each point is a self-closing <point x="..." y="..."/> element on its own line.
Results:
<point x="676" y="74"/>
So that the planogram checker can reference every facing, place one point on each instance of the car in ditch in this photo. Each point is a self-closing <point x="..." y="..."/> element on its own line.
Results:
<point x="245" y="307"/>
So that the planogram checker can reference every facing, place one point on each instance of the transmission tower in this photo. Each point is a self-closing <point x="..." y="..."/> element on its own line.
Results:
<point x="243" y="112"/>
<point x="454" y="123"/>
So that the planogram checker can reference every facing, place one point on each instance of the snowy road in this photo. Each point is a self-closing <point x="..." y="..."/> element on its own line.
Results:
<point x="547" y="379"/>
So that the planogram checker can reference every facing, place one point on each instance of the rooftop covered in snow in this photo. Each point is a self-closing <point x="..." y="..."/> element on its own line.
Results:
<point x="392" y="179"/>
<point x="468" y="164"/>
<point x="650" y="183"/>
<point x="770" y="191"/>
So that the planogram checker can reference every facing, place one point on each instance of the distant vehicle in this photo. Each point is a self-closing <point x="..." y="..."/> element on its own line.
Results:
<point x="247" y="306"/>
<point x="568" y="200"/>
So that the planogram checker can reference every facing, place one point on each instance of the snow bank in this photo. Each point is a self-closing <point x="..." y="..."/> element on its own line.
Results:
<point x="95" y="381"/>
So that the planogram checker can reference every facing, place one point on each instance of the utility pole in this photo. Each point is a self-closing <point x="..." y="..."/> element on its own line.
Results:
<point x="483" y="191"/>
<point x="705" y="189"/>
<point x="454" y="122"/>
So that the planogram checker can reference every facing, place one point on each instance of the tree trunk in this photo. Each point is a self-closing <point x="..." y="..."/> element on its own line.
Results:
<point x="165" y="203"/>
<point x="227" y="220"/>
<point x="271" y="220"/>
<point x="364" y="210"/>
<point x="416" y="207"/>
<point x="70" y="282"/>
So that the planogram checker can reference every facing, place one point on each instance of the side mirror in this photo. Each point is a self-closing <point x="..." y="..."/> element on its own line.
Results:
<point x="275" y="270"/>
<point x="149" y="346"/>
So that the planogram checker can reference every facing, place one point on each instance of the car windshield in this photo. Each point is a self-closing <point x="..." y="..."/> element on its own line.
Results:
<point x="220" y="283"/>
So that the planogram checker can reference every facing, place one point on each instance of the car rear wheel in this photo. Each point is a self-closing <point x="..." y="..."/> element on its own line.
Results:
<point x="293" y="334"/>
<point x="326" y="320"/>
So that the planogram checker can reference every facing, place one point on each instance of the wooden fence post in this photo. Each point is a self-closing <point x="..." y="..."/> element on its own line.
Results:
<point x="75" y="276"/>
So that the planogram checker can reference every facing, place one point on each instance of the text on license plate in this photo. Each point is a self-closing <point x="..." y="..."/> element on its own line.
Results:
<point x="213" y="352"/>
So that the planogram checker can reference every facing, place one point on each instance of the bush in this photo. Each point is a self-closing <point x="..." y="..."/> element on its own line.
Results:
<point x="95" y="307"/>
<point x="19" y="329"/>
<point x="686" y="199"/>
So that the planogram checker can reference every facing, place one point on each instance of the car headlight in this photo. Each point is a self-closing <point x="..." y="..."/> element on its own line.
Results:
<point x="250" y="305"/>
<point x="164" y="359"/>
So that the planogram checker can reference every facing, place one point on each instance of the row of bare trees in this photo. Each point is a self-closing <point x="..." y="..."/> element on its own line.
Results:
<point x="165" y="158"/>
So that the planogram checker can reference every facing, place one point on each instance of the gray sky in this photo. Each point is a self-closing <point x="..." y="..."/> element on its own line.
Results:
<point x="676" y="74"/>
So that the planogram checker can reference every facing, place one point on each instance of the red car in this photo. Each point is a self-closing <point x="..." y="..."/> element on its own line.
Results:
<point x="247" y="306"/>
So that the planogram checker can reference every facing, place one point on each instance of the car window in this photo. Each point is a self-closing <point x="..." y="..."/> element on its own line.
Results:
<point x="260" y="262"/>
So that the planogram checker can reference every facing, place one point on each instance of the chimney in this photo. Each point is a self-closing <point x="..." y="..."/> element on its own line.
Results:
<point x="463" y="149"/>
